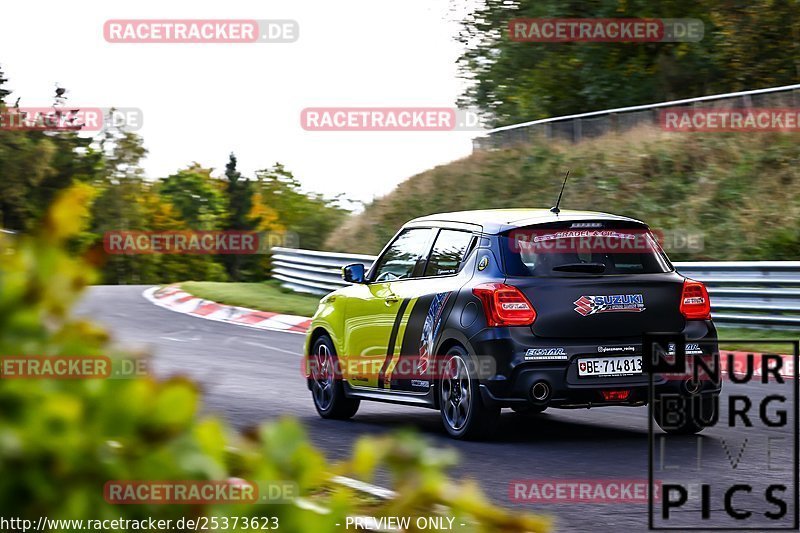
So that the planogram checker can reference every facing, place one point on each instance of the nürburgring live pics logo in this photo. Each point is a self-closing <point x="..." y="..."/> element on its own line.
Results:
<point x="741" y="472"/>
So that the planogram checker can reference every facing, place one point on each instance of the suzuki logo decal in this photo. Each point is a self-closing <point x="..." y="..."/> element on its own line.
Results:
<point x="617" y="303"/>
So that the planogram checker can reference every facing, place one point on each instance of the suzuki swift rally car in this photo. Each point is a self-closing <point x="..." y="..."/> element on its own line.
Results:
<point x="474" y="311"/>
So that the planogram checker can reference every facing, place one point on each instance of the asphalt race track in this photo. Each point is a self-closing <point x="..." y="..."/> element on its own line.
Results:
<point x="250" y="376"/>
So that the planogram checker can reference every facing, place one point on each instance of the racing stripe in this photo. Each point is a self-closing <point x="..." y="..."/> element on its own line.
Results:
<point x="418" y="339"/>
<point x="397" y="347"/>
<point x="392" y="339"/>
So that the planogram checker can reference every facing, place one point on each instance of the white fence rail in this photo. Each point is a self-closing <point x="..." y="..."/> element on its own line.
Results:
<point x="750" y="293"/>
<point x="594" y="123"/>
<point x="745" y="293"/>
<point x="312" y="271"/>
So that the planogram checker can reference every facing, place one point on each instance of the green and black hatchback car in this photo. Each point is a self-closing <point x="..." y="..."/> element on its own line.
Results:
<point x="474" y="311"/>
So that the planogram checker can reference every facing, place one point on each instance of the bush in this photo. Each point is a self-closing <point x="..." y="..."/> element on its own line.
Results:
<point x="62" y="440"/>
<point x="726" y="186"/>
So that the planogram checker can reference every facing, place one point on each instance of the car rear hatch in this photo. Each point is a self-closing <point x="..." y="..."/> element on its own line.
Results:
<point x="605" y="279"/>
<point x="604" y="306"/>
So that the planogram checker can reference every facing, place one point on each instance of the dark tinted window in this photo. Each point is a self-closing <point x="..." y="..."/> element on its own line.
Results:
<point x="545" y="251"/>
<point x="448" y="252"/>
<point x="403" y="258"/>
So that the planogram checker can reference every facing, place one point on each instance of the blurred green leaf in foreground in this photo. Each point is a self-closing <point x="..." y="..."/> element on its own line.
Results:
<point x="62" y="440"/>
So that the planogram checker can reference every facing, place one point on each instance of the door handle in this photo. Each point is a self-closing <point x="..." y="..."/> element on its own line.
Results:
<point x="389" y="300"/>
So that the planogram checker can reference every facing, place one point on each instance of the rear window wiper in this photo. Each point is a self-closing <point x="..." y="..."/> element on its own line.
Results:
<point x="591" y="268"/>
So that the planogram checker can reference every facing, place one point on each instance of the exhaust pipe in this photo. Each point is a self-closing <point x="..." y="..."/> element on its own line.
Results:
<point x="540" y="391"/>
<point x="692" y="386"/>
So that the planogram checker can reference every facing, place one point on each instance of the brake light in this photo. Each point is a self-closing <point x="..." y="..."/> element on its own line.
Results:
<point x="504" y="305"/>
<point x="616" y="395"/>
<point x="695" y="304"/>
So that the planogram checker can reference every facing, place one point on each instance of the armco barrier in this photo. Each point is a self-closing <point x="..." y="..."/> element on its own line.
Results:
<point x="750" y="293"/>
<point x="745" y="293"/>
<point x="595" y="123"/>
<point x="312" y="271"/>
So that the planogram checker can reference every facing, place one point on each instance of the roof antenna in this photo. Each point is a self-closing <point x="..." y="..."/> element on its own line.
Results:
<point x="555" y="208"/>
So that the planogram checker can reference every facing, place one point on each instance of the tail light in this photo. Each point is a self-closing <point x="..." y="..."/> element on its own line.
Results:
<point x="504" y="305"/>
<point x="616" y="395"/>
<point x="695" y="304"/>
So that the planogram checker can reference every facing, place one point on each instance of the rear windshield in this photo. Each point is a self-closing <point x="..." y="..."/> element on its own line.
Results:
<point x="582" y="248"/>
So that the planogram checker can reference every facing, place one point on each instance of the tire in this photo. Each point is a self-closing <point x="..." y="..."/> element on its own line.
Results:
<point x="327" y="390"/>
<point x="703" y="413"/>
<point x="529" y="409"/>
<point x="464" y="415"/>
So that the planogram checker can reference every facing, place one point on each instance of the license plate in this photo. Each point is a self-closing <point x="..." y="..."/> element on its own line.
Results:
<point x="610" y="366"/>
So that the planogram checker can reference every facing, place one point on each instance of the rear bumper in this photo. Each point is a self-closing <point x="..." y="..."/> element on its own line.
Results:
<point x="523" y="360"/>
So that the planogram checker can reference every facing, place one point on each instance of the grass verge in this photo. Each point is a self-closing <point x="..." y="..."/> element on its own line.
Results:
<point x="270" y="296"/>
<point x="645" y="173"/>
<point x="744" y="334"/>
<point x="265" y="296"/>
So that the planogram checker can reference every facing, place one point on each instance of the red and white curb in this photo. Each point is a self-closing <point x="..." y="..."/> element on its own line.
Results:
<point x="180" y="301"/>
<point x="746" y="362"/>
<point x="175" y="299"/>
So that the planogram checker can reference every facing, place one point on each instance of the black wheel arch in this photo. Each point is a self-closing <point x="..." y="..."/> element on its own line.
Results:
<point x="447" y="340"/>
<point x="318" y="332"/>
<point x="314" y="336"/>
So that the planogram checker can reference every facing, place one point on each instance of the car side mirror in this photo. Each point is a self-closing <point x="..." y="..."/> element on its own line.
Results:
<point x="354" y="273"/>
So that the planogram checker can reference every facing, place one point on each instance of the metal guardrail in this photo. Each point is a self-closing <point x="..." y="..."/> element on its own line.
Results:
<point x="595" y="123"/>
<point x="745" y="293"/>
<point x="750" y="293"/>
<point x="312" y="271"/>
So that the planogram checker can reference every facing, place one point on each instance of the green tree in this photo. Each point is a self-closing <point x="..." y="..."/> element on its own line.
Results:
<point x="197" y="196"/>
<point x="239" y="193"/>
<point x="3" y="92"/>
<point x="35" y="166"/>
<point x="309" y="216"/>
<point x="745" y="46"/>
<point x="197" y="202"/>
<point x="120" y="205"/>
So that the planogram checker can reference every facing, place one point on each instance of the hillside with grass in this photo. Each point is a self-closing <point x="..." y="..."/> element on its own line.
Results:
<point x="727" y="186"/>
